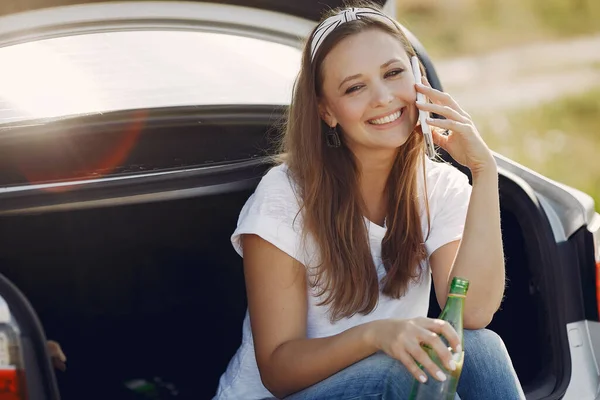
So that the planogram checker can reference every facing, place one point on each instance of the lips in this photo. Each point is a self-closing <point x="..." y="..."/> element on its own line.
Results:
<point x="387" y="118"/>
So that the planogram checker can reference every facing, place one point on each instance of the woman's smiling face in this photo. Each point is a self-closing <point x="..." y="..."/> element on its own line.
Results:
<point x="369" y="90"/>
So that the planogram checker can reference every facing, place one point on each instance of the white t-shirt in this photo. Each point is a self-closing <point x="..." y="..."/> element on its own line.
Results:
<point x="272" y="213"/>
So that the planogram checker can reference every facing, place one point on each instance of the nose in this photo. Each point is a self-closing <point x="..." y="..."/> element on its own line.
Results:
<point x="382" y="95"/>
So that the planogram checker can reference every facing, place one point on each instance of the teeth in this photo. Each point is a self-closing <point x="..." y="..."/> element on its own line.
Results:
<point x="387" y="119"/>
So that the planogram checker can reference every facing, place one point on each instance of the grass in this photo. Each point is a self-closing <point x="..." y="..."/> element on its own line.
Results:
<point x="559" y="139"/>
<point x="455" y="27"/>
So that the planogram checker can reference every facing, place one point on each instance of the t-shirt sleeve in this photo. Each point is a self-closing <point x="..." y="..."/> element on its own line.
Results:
<point x="449" y="201"/>
<point x="271" y="212"/>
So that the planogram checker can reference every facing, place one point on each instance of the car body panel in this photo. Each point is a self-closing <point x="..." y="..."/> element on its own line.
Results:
<point x="126" y="16"/>
<point x="584" y="346"/>
<point x="308" y="9"/>
<point x="569" y="209"/>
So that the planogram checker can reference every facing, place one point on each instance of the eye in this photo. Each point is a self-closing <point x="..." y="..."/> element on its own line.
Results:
<point x="394" y="72"/>
<point x="353" y="89"/>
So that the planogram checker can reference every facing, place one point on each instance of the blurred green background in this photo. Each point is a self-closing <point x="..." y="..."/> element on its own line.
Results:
<point x="529" y="75"/>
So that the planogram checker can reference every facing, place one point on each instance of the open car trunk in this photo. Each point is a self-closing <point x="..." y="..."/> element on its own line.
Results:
<point x="135" y="291"/>
<point x="155" y="289"/>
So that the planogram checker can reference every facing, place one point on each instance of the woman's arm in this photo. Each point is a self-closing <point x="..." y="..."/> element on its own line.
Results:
<point x="479" y="256"/>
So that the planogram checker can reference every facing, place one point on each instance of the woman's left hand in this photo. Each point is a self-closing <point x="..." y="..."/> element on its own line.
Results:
<point x="463" y="142"/>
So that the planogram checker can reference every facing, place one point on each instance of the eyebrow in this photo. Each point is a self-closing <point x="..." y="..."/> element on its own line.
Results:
<point x="384" y="65"/>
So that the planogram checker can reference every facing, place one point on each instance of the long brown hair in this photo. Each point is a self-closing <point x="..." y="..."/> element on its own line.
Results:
<point x="331" y="203"/>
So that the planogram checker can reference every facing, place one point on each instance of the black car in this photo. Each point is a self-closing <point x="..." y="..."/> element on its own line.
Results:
<point x="131" y="134"/>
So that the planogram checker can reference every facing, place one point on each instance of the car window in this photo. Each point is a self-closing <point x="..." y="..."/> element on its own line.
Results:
<point x="104" y="72"/>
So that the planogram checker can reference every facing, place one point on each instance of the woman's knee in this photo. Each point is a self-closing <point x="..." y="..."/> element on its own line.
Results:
<point x="487" y="370"/>
<point x="485" y="353"/>
<point x="484" y="340"/>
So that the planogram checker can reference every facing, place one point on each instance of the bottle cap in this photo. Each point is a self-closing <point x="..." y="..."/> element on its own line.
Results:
<point x="459" y="285"/>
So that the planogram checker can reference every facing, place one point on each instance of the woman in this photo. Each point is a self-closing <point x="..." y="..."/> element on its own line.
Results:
<point x="341" y="239"/>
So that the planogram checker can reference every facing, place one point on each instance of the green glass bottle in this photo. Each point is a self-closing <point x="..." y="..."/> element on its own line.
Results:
<point x="433" y="389"/>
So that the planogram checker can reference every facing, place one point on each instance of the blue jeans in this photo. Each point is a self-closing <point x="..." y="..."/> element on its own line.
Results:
<point x="487" y="374"/>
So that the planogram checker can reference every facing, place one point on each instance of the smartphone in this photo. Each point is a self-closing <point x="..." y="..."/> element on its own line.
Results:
<point x="423" y="115"/>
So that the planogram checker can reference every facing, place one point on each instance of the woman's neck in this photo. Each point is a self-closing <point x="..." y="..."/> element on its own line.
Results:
<point x="374" y="173"/>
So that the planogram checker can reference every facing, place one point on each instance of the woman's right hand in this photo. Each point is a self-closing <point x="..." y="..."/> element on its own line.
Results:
<point x="402" y="340"/>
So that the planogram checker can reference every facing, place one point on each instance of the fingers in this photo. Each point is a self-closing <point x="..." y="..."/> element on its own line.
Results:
<point x="56" y="351"/>
<point x="427" y="333"/>
<point x="446" y="111"/>
<point x="452" y="125"/>
<point x="433" y="341"/>
<point x="418" y="345"/>
<point x="412" y="367"/>
<point x="444" y="329"/>
<point x="59" y="365"/>
<point x="439" y="138"/>
<point x="423" y="358"/>
<point x="439" y="97"/>
<point x="57" y="356"/>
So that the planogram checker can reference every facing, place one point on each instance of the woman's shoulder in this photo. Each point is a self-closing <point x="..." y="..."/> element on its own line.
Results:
<point x="278" y="185"/>
<point x="276" y="197"/>
<point x="448" y="194"/>
<point x="277" y="175"/>
<point x="272" y="212"/>
<point x="442" y="176"/>
<point x="441" y="169"/>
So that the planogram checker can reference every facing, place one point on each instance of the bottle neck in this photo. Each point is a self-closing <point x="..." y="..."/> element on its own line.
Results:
<point x="456" y="296"/>
<point x="453" y="311"/>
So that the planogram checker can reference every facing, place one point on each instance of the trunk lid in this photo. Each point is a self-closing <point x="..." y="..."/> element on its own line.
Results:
<point x="308" y="9"/>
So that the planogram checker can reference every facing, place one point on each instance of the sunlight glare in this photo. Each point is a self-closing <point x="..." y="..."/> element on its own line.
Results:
<point x="42" y="83"/>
